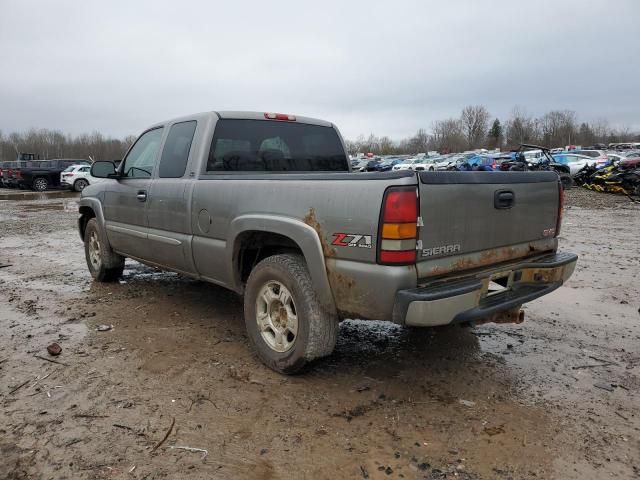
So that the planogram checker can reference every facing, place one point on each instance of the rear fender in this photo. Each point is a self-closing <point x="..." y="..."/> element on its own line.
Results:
<point x="305" y="236"/>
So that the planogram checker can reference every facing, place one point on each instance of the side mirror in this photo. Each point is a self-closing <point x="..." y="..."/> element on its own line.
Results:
<point x="104" y="170"/>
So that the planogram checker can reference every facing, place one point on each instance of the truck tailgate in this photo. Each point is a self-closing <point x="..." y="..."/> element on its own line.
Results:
<point x="467" y="216"/>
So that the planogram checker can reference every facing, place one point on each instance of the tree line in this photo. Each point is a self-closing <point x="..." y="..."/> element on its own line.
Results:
<point x="48" y="144"/>
<point x="475" y="128"/>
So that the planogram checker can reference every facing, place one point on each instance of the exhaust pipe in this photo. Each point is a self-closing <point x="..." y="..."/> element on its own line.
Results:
<point x="515" y="315"/>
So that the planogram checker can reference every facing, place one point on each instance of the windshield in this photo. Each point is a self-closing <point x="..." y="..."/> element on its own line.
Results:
<point x="274" y="146"/>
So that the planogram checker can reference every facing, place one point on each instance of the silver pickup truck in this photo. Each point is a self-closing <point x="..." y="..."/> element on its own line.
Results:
<point x="265" y="204"/>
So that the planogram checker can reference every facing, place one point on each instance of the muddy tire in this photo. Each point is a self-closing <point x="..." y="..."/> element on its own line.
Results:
<point x="285" y="321"/>
<point x="80" y="185"/>
<point x="40" y="184"/>
<point x="104" y="264"/>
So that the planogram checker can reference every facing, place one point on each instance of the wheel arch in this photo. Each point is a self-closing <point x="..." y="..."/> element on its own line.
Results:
<point x="272" y="235"/>
<point x="90" y="208"/>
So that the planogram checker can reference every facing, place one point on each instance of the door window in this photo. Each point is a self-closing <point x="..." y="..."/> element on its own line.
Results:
<point x="176" y="150"/>
<point x="142" y="156"/>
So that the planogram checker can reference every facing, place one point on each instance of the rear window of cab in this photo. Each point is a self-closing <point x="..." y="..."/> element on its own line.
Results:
<point x="274" y="146"/>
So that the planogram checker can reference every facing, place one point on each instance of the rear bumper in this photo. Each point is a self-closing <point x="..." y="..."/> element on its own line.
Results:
<point x="469" y="299"/>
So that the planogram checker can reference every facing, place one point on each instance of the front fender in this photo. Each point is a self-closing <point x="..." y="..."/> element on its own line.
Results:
<point x="302" y="234"/>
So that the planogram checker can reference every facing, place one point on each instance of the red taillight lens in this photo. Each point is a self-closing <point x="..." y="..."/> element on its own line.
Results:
<point x="400" y="206"/>
<point x="398" y="227"/>
<point x="560" y="208"/>
<point x="280" y="116"/>
<point x="18" y="174"/>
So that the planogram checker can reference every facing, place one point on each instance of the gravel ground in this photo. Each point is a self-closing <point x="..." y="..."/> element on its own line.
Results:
<point x="555" y="397"/>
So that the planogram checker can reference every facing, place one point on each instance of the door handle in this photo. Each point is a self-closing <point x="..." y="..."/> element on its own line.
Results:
<point x="503" y="199"/>
<point x="142" y="195"/>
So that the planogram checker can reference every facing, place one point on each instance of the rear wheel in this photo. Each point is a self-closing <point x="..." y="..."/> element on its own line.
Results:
<point x="284" y="319"/>
<point x="40" y="184"/>
<point x="80" y="185"/>
<point x="104" y="264"/>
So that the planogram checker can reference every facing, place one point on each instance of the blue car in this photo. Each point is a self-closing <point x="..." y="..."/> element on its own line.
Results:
<point x="388" y="164"/>
<point x="481" y="162"/>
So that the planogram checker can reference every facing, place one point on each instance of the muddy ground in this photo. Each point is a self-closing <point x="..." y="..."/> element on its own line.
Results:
<point x="555" y="397"/>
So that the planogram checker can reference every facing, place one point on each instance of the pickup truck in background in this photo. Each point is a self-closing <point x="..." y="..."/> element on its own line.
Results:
<point x="264" y="204"/>
<point x="40" y="175"/>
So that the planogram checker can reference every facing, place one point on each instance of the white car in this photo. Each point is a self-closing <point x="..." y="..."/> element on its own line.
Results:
<point x="78" y="177"/>
<point x="406" y="164"/>
<point x="576" y="162"/>
<point x="443" y="163"/>
<point x="428" y="164"/>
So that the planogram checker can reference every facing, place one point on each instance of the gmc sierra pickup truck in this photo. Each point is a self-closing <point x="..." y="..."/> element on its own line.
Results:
<point x="265" y="204"/>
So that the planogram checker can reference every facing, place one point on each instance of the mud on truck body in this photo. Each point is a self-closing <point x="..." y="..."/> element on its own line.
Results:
<point x="265" y="205"/>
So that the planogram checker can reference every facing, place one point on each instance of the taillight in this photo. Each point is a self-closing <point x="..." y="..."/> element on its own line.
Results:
<point x="18" y="174"/>
<point x="398" y="227"/>
<point x="280" y="116"/>
<point x="560" y="207"/>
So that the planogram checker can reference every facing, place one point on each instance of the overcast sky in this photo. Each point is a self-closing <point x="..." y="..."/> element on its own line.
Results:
<point x="384" y="67"/>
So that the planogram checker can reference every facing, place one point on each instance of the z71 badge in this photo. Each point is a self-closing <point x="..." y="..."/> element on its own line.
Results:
<point x="351" y="240"/>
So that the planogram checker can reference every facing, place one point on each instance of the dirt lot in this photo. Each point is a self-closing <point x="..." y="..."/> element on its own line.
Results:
<point x="555" y="397"/>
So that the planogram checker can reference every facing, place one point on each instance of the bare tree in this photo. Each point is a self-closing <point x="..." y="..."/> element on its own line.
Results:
<point x="521" y="128"/>
<point x="48" y="144"/>
<point x="447" y="135"/>
<point x="474" y="120"/>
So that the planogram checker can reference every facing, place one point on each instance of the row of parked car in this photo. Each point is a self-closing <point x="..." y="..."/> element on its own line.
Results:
<point x="574" y="160"/>
<point x="41" y="175"/>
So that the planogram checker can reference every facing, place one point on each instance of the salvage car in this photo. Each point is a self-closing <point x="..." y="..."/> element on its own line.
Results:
<point x="574" y="161"/>
<point x="264" y="204"/>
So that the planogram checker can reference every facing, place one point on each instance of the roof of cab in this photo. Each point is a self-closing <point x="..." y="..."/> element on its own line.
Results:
<point x="239" y="115"/>
<point x="261" y="116"/>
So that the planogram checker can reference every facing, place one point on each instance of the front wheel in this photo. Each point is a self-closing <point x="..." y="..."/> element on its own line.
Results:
<point x="40" y="184"/>
<point x="104" y="264"/>
<point x="285" y="321"/>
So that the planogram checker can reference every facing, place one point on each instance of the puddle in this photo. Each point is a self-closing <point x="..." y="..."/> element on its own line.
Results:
<point x="65" y="205"/>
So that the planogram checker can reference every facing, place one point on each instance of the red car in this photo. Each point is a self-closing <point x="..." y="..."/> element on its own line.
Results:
<point x="630" y="162"/>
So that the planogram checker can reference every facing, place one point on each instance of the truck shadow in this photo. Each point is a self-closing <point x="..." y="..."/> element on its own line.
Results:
<point x="205" y="313"/>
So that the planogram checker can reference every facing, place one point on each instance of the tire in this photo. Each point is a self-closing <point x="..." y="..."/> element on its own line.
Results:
<point x="431" y="169"/>
<point x="566" y="180"/>
<point x="285" y="281"/>
<point x="40" y="184"/>
<point x="80" y="185"/>
<point x="104" y="264"/>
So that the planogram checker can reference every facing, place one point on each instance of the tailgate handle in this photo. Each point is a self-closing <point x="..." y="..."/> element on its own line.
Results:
<point x="504" y="199"/>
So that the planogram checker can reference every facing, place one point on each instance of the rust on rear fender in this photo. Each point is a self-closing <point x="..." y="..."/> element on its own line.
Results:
<point x="350" y="301"/>
<point x="311" y="220"/>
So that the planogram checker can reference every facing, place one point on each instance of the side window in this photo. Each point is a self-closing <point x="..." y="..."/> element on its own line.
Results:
<point x="142" y="156"/>
<point x="176" y="150"/>
<point x="84" y="169"/>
